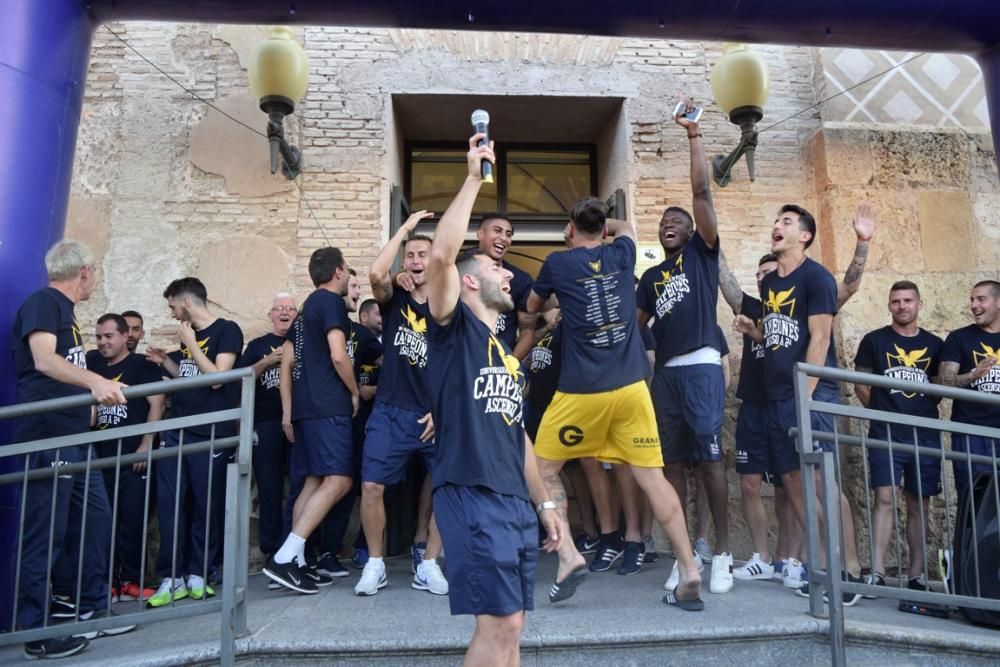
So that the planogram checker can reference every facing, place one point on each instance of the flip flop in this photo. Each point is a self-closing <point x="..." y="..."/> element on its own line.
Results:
<point x="565" y="589"/>
<point x="694" y="604"/>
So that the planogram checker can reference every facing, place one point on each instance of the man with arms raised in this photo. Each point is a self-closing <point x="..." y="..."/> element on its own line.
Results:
<point x="515" y="327"/>
<point x="318" y="399"/>
<point x="602" y="407"/>
<point x="971" y="359"/>
<point x="485" y="474"/>
<point x="400" y="424"/>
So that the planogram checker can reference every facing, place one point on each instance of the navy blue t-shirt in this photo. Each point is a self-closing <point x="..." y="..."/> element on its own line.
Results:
<point x="94" y="360"/>
<point x="602" y="345"/>
<point x="317" y="390"/>
<point x="476" y="387"/>
<point x="220" y="337"/>
<point x="751" y="385"/>
<point x="681" y="294"/>
<point x="911" y="358"/>
<point x="48" y="310"/>
<point x="267" y="397"/>
<point x="967" y="347"/>
<point x="364" y="350"/>
<point x="788" y="303"/>
<point x="132" y="370"/>
<point x="543" y="364"/>
<point x="520" y="288"/>
<point x="403" y="380"/>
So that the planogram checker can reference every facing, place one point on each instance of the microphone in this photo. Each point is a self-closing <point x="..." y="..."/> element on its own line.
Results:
<point x="481" y="123"/>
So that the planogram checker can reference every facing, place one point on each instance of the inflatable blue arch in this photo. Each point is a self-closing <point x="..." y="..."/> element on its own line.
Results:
<point x="45" y="47"/>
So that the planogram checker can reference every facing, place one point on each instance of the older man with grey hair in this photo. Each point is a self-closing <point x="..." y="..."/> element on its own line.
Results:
<point x="50" y="363"/>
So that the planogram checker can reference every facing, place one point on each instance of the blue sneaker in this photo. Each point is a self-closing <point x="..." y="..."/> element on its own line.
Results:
<point x="586" y="544"/>
<point x="417" y="550"/>
<point x="607" y="555"/>
<point x="651" y="555"/>
<point x="360" y="558"/>
<point x="632" y="560"/>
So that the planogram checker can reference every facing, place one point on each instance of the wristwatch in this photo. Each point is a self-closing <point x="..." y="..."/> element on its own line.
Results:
<point x="547" y="505"/>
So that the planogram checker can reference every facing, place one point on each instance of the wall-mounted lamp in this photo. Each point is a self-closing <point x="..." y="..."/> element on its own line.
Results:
<point x="279" y="74"/>
<point x="740" y="85"/>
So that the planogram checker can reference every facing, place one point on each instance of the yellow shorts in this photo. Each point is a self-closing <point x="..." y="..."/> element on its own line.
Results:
<point x="617" y="426"/>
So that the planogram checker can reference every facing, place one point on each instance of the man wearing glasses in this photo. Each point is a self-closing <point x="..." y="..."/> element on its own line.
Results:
<point x="270" y="456"/>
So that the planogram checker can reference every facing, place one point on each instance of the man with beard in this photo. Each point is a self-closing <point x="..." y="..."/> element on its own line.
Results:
<point x="369" y="316"/>
<point x="270" y="454"/>
<point x="136" y="332"/>
<point x="485" y="473"/>
<point x="971" y="359"/>
<point x="400" y="424"/>
<point x="903" y="351"/>
<point x="516" y="327"/>
<point x="208" y="344"/>
<point x="318" y="399"/>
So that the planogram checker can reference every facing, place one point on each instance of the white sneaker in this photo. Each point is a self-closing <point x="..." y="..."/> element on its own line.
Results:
<point x="755" y="568"/>
<point x="792" y="574"/>
<point x="703" y="551"/>
<point x="675" y="575"/>
<point x="430" y="578"/>
<point x="722" y="573"/>
<point x="372" y="578"/>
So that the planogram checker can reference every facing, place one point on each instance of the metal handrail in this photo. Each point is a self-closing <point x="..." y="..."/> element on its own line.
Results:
<point x="873" y="380"/>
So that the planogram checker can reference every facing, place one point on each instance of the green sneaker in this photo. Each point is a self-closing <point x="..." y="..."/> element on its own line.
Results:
<point x="170" y="590"/>
<point x="198" y="589"/>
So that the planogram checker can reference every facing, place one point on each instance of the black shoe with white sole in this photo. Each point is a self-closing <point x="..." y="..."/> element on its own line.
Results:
<point x="62" y="607"/>
<point x="311" y="572"/>
<point x="57" y="647"/>
<point x="290" y="576"/>
<point x="106" y="632"/>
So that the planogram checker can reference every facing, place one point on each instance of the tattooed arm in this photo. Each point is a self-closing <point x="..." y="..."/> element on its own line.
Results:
<point x="729" y="286"/>
<point x="864" y="227"/>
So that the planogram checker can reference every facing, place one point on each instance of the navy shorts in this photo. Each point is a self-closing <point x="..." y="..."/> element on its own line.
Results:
<point x="322" y="447"/>
<point x="752" y="443"/>
<point x="391" y="437"/>
<point x="887" y="471"/>
<point x="492" y="544"/>
<point x="782" y="453"/>
<point x="688" y="401"/>
<point x="973" y="444"/>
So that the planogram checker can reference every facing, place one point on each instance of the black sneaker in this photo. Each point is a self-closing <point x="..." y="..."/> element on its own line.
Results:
<point x="329" y="565"/>
<point x="311" y="572"/>
<point x="850" y="599"/>
<point x="61" y="607"/>
<point x="57" y="647"/>
<point x="606" y="556"/>
<point x="586" y="544"/>
<point x="635" y="553"/>
<point x="651" y="555"/>
<point x="106" y="632"/>
<point x="290" y="576"/>
<point x="874" y="579"/>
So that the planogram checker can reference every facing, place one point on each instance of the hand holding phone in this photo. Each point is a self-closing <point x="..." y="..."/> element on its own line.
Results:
<point x="686" y="110"/>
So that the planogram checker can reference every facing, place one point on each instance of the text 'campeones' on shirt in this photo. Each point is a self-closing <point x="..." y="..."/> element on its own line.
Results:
<point x="267" y="397"/>
<point x="602" y="345"/>
<point x="220" y="337"/>
<point x="317" y="390"/>
<point x="751" y="385"/>
<point x="476" y="388"/>
<point x="681" y="295"/>
<point x="910" y="358"/>
<point x="520" y="288"/>
<point x="403" y="378"/>
<point x="48" y="311"/>
<point x="968" y="347"/>
<point x="788" y="302"/>
<point x="133" y="370"/>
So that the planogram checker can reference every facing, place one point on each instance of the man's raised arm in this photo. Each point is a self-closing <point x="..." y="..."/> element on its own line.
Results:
<point x="443" y="287"/>
<point x="380" y="272"/>
<point x="704" y="213"/>
<point x="864" y="227"/>
<point x="729" y="286"/>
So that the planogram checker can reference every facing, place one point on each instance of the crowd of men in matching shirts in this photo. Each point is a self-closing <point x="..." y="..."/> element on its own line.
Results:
<point x="623" y="378"/>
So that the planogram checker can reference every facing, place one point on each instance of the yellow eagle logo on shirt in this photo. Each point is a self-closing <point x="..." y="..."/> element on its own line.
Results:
<point x="595" y="266"/>
<point x="202" y="345"/>
<point x="777" y="303"/>
<point x="77" y="338"/>
<point x="510" y="362"/>
<point x="669" y="274"/>
<point x="910" y="359"/>
<point x="977" y="357"/>
<point x="416" y="323"/>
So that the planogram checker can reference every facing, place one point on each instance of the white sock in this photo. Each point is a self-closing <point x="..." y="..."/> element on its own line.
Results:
<point x="294" y="547"/>
<point x="377" y="561"/>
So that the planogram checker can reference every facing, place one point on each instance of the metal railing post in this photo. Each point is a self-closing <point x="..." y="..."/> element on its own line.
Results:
<point x="808" y="475"/>
<point x="831" y="511"/>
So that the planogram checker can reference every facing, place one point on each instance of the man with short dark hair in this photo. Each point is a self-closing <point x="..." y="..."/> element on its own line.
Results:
<point x="515" y="327"/>
<point x="271" y="450"/>
<point x="485" y="474"/>
<point x="971" y="359"/>
<point x="208" y="344"/>
<point x="400" y="424"/>
<point x="679" y="295"/>
<point x="49" y="361"/>
<point x="902" y="351"/>
<point x="136" y="332"/>
<point x="370" y="316"/>
<point x="318" y="399"/>
<point x="602" y="408"/>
